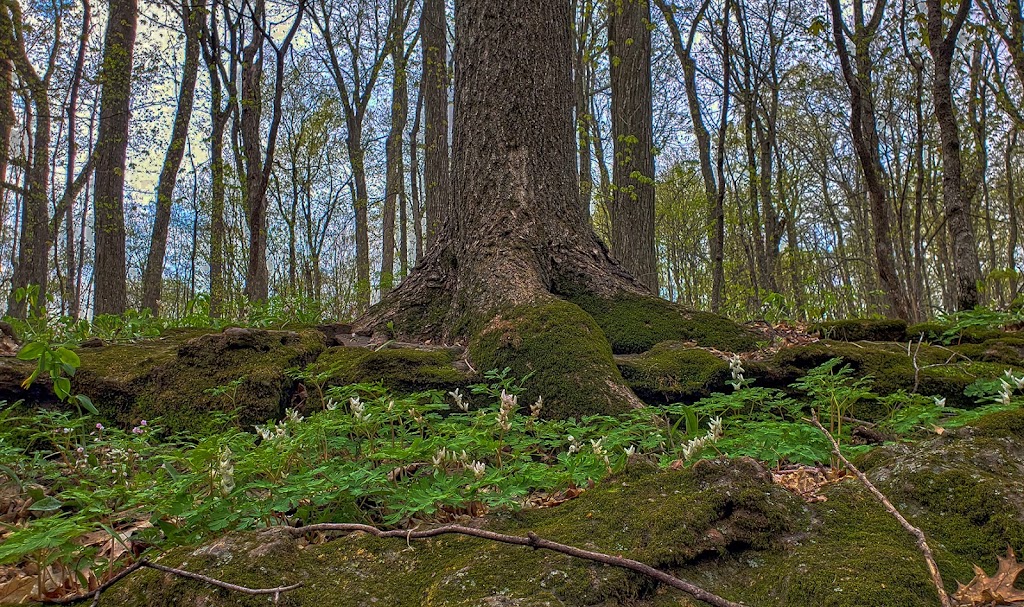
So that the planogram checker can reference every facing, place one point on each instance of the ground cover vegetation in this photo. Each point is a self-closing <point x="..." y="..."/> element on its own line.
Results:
<point x="87" y="493"/>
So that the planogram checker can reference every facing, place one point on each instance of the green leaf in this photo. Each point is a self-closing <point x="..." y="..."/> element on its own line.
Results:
<point x="68" y="357"/>
<point x="62" y="387"/>
<point x="32" y="350"/>
<point x="86" y="403"/>
<point x="47" y="504"/>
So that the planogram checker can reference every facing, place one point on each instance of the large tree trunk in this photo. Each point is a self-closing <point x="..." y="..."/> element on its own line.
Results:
<point x="111" y="152"/>
<point x="152" y="278"/>
<point x="632" y="204"/>
<point x="433" y="34"/>
<point x="518" y="238"/>
<point x="942" y="46"/>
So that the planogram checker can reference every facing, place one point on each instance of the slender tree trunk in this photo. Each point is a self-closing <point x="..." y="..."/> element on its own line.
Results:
<point x="942" y="46"/>
<point x="394" y="187"/>
<point x="632" y="205"/>
<point x="436" y="176"/>
<point x="152" y="277"/>
<point x="109" y="267"/>
<point x="70" y="294"/>
<point x="866" y="142"/>
<point x="257" y="280"/>
<point x="414" y="176"/>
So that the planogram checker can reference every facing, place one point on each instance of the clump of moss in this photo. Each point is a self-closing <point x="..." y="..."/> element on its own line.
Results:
<point x="398" y="369"/>
<point x="1002" y="424"/>
<point x="673" y="371"/>
<point x="892" y="367"/>
<point x="862" y="329"/>
<point x="635" y="324"/>
<point x="564" y="352"/>
<point x="934" y="331"/>
<point x="1004" y="350"/>
<point x="170" y="377"/>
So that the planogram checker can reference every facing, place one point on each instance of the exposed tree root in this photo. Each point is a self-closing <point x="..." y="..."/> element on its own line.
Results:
<point x="535" y="542"/>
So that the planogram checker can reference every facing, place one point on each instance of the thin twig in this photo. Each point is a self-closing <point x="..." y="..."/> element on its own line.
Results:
<point x="922" y="543"/>
<point x="218" y="583"/>
<point x="95" y="594"/>
<point x="533" y="541"/>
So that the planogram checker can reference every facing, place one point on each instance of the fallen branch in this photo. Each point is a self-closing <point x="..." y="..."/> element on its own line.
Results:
<point x="922" y="543"/>
<point x="95" y="594"/>
<point x="533" y="541"/>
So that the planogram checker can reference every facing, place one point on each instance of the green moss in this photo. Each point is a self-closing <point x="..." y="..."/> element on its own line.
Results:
<point x="563" y="350"/>
<point x="1004" y="350"/>
<point x="935" y="331"/>
<point x="673" y="371"/>
<point x="169" y="377"/>
<point x="636" y="324"/>
<point x="664" y="519"/>
<point x="862" y="329"/>
<point x="892" y="367"/>
<point x="1003" y="424"/>
<point x="399" y="369"/>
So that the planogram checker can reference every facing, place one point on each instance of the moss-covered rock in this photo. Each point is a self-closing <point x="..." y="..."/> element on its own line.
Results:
<point x="170" y="377"/>
<point x="673" y="371"/>
<point x="635" y="324"/>
<point x="862" y="329"/>
<point x="1002" y="350"/>
<point x="565" y="353"/>
<point x="935" y="331"/>
<point x="666" y="519"/>
<point x="941" y="372"/>
<point x="398" y="369"/>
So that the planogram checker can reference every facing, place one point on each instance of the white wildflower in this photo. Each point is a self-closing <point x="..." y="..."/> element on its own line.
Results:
<point x="460" y="400"/>
<point x="596" y="446"/>
<point x="509" y="404"/>
<point x="331" y="404"/>
<point x="477" y="468"/>
<point x="358" y="410"/>
<point x="715" y="428"/>
<point x="630" y="450"/>
<point x="226" y="471"/>
<point x="440" y="456"/>
<point x="293" y="416"/>
<point x="536" y="407"/>
<point x="940" y="401"/>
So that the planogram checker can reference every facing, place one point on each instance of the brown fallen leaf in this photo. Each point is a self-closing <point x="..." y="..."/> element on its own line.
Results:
<point x="19" y="589"/>
<point x="983" y="590"/>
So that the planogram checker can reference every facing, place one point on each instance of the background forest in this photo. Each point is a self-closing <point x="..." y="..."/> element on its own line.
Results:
<point x="809" y="161"/>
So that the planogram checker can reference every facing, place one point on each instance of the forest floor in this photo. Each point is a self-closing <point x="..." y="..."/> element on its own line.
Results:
<point x="720" y="480"/>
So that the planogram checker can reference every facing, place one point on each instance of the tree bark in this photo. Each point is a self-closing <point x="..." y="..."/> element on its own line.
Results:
<point x="942" y="46"/>
<point x="394" y="186"/>
<point x="632" y="204"/>
<point x="34" y="239"/>
<point x="152" y="277"/>
<point x="434" y="38"/>
<point x="518" y="234"/>
<point x="864" y="130"/>
<point x="109" y="271"/>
